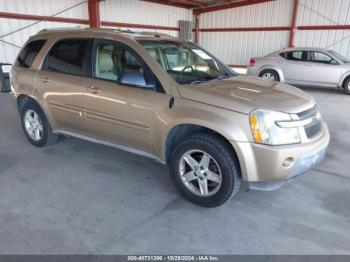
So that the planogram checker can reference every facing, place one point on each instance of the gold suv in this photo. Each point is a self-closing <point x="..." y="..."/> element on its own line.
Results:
<point x="170" y="100"/>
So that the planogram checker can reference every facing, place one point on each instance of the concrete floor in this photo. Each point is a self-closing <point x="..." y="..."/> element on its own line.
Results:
<point x="81" y="198"/>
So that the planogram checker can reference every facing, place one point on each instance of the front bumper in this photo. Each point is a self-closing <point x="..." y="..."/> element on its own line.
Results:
<point x="263" y="163"/>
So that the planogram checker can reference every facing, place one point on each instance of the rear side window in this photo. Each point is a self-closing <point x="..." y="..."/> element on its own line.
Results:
<point x="67" y="56"/>
<point x="295" y="55"/>
<point x="28" y="53"/>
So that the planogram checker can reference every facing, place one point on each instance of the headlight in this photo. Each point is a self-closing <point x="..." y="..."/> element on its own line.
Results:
<point x="266" y="131"/>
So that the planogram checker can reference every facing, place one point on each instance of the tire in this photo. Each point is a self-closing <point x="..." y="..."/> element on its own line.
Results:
<point x="221" y="155"/>
<point x="29" y="111"/>
<point x="269" y="74"/>
<point x="346" y="86"/>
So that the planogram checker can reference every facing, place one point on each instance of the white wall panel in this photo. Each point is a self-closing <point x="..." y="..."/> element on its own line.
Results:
<point x="235" y="48"/>
<point x="125" y="11"/>
<point x="324" y="12"/>
<point x="338" y="40"/>
<point x="33" y="7"/>
<point x="9" y="52"/>
<point x="139" y="12"/>
<point x="276" y="13"/>
<point x="238" y="47"/>
<point x="46" y="7"/>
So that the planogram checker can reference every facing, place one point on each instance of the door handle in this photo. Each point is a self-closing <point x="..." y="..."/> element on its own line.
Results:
<point x="94" y="89"/>
<point x="44" y="79"/>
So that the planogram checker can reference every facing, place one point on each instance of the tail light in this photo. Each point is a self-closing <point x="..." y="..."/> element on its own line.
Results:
<point x="251" y="62"/>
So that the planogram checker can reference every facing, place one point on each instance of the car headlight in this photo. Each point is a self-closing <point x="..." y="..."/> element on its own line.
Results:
<point x="266" y="131"/>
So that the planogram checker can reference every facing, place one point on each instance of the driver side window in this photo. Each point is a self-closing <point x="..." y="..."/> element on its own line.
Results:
<point x="318" y="57"/>
<point x="115" y="61"/>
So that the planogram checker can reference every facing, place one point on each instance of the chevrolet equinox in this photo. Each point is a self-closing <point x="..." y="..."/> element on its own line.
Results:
<point x="170" y="100"/>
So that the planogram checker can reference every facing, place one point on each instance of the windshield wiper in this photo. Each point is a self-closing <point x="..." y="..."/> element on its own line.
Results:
<point x="205" y="81"/>
<point x="222" y="77"/>
<point x="198" y="82"/>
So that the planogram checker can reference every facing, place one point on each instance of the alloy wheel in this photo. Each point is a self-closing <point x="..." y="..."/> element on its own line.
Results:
<point x="200" y="173"/>
<point x="268" y="76"/>
<point x="33" y="125"/>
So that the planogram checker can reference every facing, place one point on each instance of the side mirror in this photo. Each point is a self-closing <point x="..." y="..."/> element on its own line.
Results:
<point x="5" y="85"/>
<point x="134" y="78"/>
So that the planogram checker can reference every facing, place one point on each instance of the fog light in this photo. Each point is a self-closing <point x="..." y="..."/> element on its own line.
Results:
<point x="288" y="162"/>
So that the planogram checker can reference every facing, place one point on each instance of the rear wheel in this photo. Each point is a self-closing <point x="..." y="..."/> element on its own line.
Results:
<point x="269" y="74"/>
<point x="36" y="127"/>
<point x="205" y="170"/>
<point x="346" y="86"/>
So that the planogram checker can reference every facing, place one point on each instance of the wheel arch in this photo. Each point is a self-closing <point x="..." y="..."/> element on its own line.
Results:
<point x="182" y="130"/>
<point x="274" y="68"/>
<point x="345" y="77"/>
<point x="22" y="99"/>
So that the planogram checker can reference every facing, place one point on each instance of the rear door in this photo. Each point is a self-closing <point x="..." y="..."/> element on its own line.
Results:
<point x="61" y="83"/>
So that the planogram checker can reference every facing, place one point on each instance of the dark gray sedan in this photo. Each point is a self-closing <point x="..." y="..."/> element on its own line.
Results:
<point x="304" y="67"/>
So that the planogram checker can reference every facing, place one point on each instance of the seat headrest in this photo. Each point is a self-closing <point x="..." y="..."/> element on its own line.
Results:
<point x="105" y="61"/>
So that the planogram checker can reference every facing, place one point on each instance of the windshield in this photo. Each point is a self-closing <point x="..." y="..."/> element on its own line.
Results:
<point x="186" y="63"/>
<point x="340" y="57"/>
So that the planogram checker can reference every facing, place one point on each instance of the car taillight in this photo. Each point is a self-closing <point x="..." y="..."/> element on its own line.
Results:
<point x="251" y="62"/>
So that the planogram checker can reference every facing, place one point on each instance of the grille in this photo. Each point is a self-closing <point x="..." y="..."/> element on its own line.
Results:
<point x="313" y="129"/>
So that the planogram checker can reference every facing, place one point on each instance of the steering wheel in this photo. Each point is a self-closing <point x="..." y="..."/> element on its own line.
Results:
<point x="183" y="71"/>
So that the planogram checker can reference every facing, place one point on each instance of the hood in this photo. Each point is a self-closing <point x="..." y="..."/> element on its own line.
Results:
<point x="245" y="93"/>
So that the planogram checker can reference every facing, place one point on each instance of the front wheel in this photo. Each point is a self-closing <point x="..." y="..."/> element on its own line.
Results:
<point x="270" y="75"/>
<point x="35" y="126"/>
<point x="205" y="170"/>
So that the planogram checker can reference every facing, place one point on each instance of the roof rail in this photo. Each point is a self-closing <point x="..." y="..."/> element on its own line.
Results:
<point x="153" y="34"/>
<point x="61" y="28"/>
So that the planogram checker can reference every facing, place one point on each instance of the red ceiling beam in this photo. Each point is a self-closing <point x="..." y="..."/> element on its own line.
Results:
<point x="179" y="3"/>
<point x="192" y="3"/>
<point x="82" y="21"/>
<point x="323" y="27"/>
<point x="161" y="2"/>
<point x="230" y="5"/>
<point x="245" y="29"/>
<point x="140" y="26"/>
<point x="43" y="18"/>
<point x="94" y="13"/>
<point x="293" y="27"/>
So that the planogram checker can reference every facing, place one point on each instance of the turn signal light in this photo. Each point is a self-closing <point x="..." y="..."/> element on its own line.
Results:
<point x="255" y="129"/>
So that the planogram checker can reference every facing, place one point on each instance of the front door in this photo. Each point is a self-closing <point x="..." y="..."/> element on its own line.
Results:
<point x="322" y="70"/>
<point x="120" y="97"/>
<point x="294" y="67"/>
<point x="61" y="79"/>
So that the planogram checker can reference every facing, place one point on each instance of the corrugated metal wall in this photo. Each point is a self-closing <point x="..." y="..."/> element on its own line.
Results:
<point x="33" y="7"/>
<point x="125" y="11"/>
<point x="237" y="47"/>
<point x="232" y="47"/>
<point x="324" y="12"/>
<point x="139" y="12"/>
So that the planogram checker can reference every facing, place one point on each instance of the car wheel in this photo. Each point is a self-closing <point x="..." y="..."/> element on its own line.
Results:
<point x="269" y="74"/>
<point x="36" y="127"/>
<point x="347" y="86"/>
<point x="205" y="170"/>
